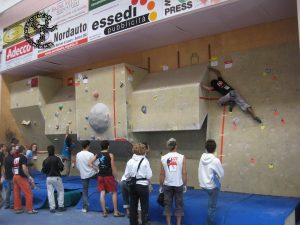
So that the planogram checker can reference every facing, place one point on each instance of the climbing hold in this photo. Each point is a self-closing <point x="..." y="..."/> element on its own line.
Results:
<point x="144" y="109"/>
<point x="34" y="123"/>
<point x="55" y="139"/>
<point x="121" y="84"/>
<point x="60" y="107"/>
<point x="96" y="94"/>
<point x="70" y="110"/>
<point x="155" y="97"/>
<point x="271" y="166"/>
<point x="26" y="123"/>
<point x="85" y="128"/>
<point x="86" y="117"/>
<point x="85" y="79"/>
<point x="86" y="90"/>
<point x="56" y="114"/>
<point x="253" y="161"/>
<point x="70" y="122"/>
<point x="57" y="127"/>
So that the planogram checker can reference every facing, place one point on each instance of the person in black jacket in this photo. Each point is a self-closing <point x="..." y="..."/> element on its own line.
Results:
<point x="52" y="166"/>
<point x="8" y="175"/>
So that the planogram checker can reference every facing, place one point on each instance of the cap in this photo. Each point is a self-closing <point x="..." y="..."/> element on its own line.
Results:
<point x="171" y="143"/>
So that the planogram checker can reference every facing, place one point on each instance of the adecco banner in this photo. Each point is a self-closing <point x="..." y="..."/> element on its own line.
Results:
<point x="118" y="16"/>
<point x="17" y="54"/>
<point x="66" y="10"/>
<point x="67" y="35"/>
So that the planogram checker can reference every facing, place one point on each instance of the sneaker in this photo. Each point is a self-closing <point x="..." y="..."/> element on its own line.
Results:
<point x="52" y="210"/>
<point x="61" y="209"/>
<point x="84" y="210"/>
<point x="19" y="211"/>
<point x="257" y="119"/>
<point x="32" y="211"/>
<point x="6" y="207"/>
<point x="118" y="214"/>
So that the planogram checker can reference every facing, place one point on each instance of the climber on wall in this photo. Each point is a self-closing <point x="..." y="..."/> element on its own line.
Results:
<point x="230" y="96"/>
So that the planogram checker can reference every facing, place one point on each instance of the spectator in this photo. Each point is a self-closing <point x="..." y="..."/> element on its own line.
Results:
<point x="86" y="172"/>
<point x="138" y="167"/>
<point x="22" y="180"/>
<point x="106" y="177"/>
<point x="173" y="181"/>
<point x="52" y="166"/>
<point x="209" y="172"/>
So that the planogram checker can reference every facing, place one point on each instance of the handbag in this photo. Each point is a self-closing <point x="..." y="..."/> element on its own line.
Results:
<point x="160" y="199"/>
<point x="131" y="181"/>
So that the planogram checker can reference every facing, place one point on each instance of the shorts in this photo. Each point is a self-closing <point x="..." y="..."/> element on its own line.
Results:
<point x="170" y="193"/>
<point x="107" y="184"/>
<point x="235" y="97"/>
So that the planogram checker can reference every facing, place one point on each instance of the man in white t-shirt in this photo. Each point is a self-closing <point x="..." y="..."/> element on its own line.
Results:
<point x="173" y="180"/>
<point x="86" y="172"/>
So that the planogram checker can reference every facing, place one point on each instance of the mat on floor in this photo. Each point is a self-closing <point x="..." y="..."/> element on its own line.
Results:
<point x="232" y="208"/>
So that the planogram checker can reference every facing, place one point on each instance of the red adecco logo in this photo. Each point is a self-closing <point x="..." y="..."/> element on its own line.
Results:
<point x="18" y="50"/>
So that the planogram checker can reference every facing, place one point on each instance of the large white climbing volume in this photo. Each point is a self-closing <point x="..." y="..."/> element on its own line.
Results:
<point x="99" y="117"/>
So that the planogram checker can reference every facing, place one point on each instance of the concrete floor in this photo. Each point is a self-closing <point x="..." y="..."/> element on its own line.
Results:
<point x="72" y="216"/>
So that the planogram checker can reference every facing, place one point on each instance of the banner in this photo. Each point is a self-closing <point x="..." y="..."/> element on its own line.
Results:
<point x="175" y="7"/>
<point x="14" y="33"/>
<point x="205" y="3"/>
<point x="17" y="54"/>
<point x="66" y="10"/>
<point x="94" y="4"/>
<point x="67" y="35"/>
<point x="121" y="15"/>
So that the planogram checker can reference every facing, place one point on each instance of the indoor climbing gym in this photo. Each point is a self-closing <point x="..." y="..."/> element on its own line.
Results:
<point x="150" y="112"/>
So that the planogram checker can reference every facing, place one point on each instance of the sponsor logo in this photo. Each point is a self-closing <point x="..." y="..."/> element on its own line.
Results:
<point x="93" y="4"/>
<point x="18" y="50"/>
<point x="70" y="32"/>
<point x="39" y="22"/>
<point x="13" y="34"/>
<point x="126" y="19"/>
<point x="173" y="9"/>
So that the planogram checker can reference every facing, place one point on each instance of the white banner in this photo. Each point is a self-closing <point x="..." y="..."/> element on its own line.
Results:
<point x="67" y="35"/>
<point x="118" y="16"/>
<point x="175" y="7"/>
<point x="17" y="54"/>
<point x="66" y="10"/>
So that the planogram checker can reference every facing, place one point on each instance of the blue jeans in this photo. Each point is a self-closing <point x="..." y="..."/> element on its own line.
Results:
<point x="212" y="204"/>
<point x="9" y="198"/>
<point x="125" y="194"/>
<point x="85" y="195"/>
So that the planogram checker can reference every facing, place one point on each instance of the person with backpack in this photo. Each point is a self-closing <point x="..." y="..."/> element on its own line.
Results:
<point x="138" y="174"/>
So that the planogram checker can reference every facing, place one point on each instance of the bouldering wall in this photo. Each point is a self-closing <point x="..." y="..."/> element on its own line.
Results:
<point x="101" y="101"/>
<point x="260" y="158"/>
<point x="169" y="101"/>
<point x="60" y="112"/>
